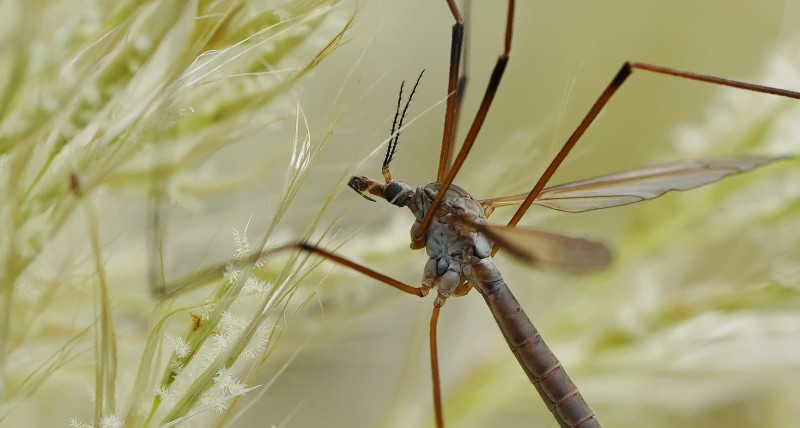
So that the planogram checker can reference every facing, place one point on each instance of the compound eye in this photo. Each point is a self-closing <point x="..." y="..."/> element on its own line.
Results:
<point x="395" y="193"/>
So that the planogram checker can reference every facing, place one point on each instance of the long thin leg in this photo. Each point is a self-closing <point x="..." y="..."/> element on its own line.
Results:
<point x="625" y="71"/>
<point x="452" y="108"/>
<point x="217" y="271"/>
<point x="451" y="125"/>
<point x="480" y="116"/>
<point x="462" y="80"/>
<point x="437" y="390"/>
<point x="418" y="291"/>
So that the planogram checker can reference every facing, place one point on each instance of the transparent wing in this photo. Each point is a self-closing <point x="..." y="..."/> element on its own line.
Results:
<point x="636" y="185"/>
<point x="547" y="249"/>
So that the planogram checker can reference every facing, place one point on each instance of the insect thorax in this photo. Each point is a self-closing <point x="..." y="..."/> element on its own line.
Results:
<point x="447" y="236"/>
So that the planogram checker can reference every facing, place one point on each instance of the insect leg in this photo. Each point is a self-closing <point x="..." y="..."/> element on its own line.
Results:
<point x="217" y="271"/>
<point x="480" y="116"/>
<point x="625" y="71"/>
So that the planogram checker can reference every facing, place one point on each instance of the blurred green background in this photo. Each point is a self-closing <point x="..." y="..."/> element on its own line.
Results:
<point x="695" y="324"/>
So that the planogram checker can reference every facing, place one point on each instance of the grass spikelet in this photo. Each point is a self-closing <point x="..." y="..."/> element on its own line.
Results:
<point x="115" y="121"/>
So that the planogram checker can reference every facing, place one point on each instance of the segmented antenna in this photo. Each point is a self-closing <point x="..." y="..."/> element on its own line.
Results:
<point x="396" y="126"/>
<point x="390" y="149"/>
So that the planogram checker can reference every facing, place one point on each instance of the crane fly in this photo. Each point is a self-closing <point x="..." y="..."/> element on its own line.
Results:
<point x="451" y="224"/>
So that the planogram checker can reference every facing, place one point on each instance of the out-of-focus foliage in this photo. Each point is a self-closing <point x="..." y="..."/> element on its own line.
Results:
<point x="114" y="116"/>
<point x="134" y="136"/>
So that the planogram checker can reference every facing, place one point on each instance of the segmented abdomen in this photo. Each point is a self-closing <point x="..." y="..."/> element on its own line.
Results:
<point x="537" y="360"/>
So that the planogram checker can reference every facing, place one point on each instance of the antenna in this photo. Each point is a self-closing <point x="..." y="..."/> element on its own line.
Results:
<point x="394" y="137"/>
